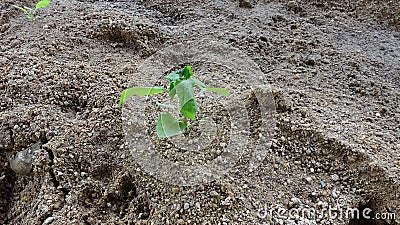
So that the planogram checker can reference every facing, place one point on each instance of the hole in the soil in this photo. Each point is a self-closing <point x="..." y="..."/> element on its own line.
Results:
<point x="65" y="191"/>
<point x="254" y="111"/>
<point x="71" y="104"/>
<point x="101" y="172"/>
<point x="143" y="207"/>
<point x="54" y="180"/>
<point x="364" y="215"/>
<point x="12" y="142"/>
<point x="51" y="163"/>
<point x="144" y="38"/>
<point x="172" y="16"/>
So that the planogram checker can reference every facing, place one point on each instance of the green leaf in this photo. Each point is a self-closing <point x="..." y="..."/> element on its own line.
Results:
<point x="165" y="105"/>
<point x="139" y="91"/>
<point x="221" y="91"/>
<point x="182" y="126"/>
<point x="198" y="82"/>
<point x="168" y="126"/>
<point x="189" y="109"/>
<point x="22" y="9"/>
<point x="185" y="93"/>
<point x="186" y="72"/>
<point x="173" y="81"/>
<point x="172" y="93"/>
<point x="177" y="77"/>
<point x="173" y="77"/>
<point x="42" y="4"/>
<point x="172" y="86"/>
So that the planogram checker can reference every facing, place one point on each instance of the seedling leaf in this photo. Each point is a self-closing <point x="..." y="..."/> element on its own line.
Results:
<point x="22" y="9"/>
<point x="189" y="109"/>
<point x="168" y="126"/>
<point x="186" y="72"/>
<point x="172" y="77"/>
<point x="198" y="82"/>
<point x="182" y="126"/>
<point x="172" y="93"/>
<point x="181" y="83"/>
<point x="42" y="4"/>
<point x="188" y="106"/>
<point x="221" y="91"/>
<point x="165" y="105"/>
<point x="139" y="91"/>
<point x="179" y="76"/>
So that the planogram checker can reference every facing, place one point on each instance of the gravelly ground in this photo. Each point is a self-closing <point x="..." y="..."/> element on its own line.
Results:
<point x="334" y="70"/>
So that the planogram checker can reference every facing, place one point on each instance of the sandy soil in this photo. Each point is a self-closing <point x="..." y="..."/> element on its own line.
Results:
<point x="334" y="72"/>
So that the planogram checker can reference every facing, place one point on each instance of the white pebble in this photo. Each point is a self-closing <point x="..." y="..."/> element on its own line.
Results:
<point x="186" y="206"/>
<point x="49" y="220"/>
<point x="335" y="177"/>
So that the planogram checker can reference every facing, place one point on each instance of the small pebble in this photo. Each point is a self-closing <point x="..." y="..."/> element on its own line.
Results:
<point x="335" y="177"/>
<point x="22" y="163"/>
<point x="334" y="194"/>
<point x="186" y="206"/>
<point x="214" y="194"/>
<point x="292" y="5"/>
<point x="175" y="190"/>
<point x="49" y="220"/>
<point x="323" y="185"/>
<point x="245" y="4"/>
<point x="294" y="202"/>
<point x="227" y="201"/>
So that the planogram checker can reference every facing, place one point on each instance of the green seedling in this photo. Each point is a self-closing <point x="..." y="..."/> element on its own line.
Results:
<point x="30" y="12"/>
<point x="181" y="84"/>
<point x="305" y="70"/>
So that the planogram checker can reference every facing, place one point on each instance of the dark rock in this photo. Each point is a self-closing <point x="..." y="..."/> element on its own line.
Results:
<point x="245" y="4"/>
